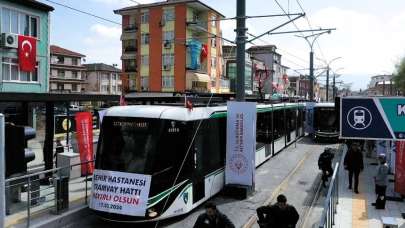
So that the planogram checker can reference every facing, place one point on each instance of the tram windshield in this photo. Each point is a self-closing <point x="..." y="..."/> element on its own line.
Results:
<point x="325" y="119"/>
<point x="138" y="145"/>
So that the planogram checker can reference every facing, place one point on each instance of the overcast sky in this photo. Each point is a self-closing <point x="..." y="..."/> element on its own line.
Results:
<point x="370" y="35"/>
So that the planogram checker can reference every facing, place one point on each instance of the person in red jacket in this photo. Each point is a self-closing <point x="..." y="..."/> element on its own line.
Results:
<point x="354" y="164"/>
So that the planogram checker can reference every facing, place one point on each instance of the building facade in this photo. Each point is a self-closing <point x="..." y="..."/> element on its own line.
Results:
<point x="67" y="71"/>
<point x="382" y="85"/>
<point x="27" y="18"/>
<point x="278" y="80"/>
<point x="103" y="79"/>
<point x="171" y="46"/>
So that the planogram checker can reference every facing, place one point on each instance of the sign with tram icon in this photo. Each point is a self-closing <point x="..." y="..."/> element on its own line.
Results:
<point x="374" y="118"/>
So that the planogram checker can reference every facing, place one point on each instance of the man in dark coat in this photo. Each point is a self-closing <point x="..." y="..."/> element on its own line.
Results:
<point x="325" y="164"/>
<point x="354" y="164"/>
<point x="212" y="218"/>
<point x="279" y="215"/>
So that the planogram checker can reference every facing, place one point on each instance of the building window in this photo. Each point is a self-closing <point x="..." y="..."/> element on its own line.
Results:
<point x="145" y="38"/>
<point x="145" y="60"/>
<point x="213" y="42"/>
<point x="145" y="17"/>
<point x="104" y="88"/>
<point x="16" y="22"/>
<point x="168" y="15"/>
<point x="61" y="73"/>
<point x="144" y="83"/>
<point x="129" y="65"/>
<point x="168" y="59"/>
<point x="74" y="74"/>
<point x="168" y="81"/>
<point x="168" y="36"/>
<point x="11" y="72"/>
<point x="74" y="88"/>
<point x="213" y="21"/>
<point x="213" y="62"/>
<point x="75" y="61"/>
<point x="60" y="60"/>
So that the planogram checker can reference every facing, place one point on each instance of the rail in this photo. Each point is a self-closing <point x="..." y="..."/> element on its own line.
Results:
<point x="25" y="193"/>
<point x="332" y="198"/>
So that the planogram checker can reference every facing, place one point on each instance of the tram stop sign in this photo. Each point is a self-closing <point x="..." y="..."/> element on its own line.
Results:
<point x="375" y="118"/>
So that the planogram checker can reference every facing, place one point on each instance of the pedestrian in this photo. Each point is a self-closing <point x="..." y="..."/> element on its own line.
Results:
<point x="381" y="182"/>
<point x="212" y="218"/>
<point x="279" y="215"/>
<point x="354" y="165"/>
<point x="325" y="164"/>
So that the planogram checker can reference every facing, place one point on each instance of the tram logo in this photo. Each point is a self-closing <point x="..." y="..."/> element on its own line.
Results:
<point x="173" y="128"/>
<point x="239" y="163"/>
<point x="359" y="118"/>
<point x="185" y="197"/>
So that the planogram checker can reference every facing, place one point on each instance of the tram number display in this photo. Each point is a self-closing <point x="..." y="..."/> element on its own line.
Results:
<point x="120" y="192"/>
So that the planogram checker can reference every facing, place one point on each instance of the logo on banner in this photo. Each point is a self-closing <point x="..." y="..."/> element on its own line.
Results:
<point x="359" y="118"/>
<point x="239" y="163"/>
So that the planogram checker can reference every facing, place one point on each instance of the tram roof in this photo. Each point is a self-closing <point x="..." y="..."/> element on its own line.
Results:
<point x="329" y="104"/>
<point x="177" y="112"/>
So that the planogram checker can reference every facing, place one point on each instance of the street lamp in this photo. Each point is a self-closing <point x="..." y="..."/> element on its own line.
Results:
<point x="327" y="74"/>
<point x="314" y="37"/>
<point x="335" y="75"/>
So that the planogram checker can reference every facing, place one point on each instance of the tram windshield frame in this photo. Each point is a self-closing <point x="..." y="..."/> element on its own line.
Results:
<point x="323" y="119"/>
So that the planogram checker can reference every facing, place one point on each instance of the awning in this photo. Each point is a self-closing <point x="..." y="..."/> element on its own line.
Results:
<point x="199" y="77"/>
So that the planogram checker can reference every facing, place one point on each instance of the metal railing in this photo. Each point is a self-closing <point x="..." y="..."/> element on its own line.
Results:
<point x="332" y="198"/>
<point x="36" y="199"/>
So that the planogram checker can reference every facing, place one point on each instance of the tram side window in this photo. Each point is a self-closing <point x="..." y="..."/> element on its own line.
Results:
<point x="263" y="129"/>
<point x="292" y="121"/>
<point x="209" y="143"/>
<point x="278" y="124"/>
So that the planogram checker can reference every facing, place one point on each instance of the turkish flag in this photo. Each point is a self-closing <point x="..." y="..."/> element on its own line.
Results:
<point x="27" y="53"/>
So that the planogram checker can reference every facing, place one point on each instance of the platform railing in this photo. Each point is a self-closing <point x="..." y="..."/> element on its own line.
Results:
<point x="25" y="193"/>
<point x="332" y="198"/>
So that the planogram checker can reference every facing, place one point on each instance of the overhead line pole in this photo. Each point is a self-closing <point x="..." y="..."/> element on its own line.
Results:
<point x="240" y="49"/>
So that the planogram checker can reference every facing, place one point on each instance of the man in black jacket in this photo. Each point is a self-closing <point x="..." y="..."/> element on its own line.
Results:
<point x="354" y="164"/>
<point x="325" y="164"/>
<point x="279" y="215"/>
<point x="212" y="218"/>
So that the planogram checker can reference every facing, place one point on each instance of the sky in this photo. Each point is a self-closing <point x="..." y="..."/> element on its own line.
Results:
<point x="369" y="36"/>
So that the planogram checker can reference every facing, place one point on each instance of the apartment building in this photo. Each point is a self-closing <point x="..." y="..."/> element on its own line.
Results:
<point x="103" y="79"/>
<point x="28" y="20"/>
<point x="172" y="46"/>
<point x="67" y="71"/>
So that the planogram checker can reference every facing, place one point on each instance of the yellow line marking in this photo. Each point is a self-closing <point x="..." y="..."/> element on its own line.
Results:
<point x="277" y="191"/>
<point x="359" y="211"/>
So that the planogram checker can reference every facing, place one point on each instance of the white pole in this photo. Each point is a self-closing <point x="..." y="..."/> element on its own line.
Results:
<point x="2" y="174"/>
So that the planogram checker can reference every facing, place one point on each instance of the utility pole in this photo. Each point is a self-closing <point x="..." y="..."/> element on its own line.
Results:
<point x="314" y="37"/>
<point x="240" y="49"/>
<point x="327" y="83"/>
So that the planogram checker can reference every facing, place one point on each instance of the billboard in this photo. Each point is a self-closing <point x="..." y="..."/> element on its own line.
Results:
<point x="373" y="118"/>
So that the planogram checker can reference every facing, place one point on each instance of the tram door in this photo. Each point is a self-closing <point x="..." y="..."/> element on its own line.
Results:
<point x="198" y="178"/>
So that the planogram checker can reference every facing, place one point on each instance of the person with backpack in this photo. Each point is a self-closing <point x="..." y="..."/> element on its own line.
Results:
<point x="212" y="218"/>
<point x="325" y="164"/>
<point x="278" y="215"/>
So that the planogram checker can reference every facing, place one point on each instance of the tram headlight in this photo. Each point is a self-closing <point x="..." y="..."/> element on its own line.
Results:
<point x="152" y="213"/>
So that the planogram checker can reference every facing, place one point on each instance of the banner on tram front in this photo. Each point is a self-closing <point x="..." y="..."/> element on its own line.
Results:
<point x="120" y="192"/>
<point x="240" y="143"/>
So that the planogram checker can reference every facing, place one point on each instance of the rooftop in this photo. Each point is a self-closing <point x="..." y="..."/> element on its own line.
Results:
<point x="165" y="3"/>
<point x="101" y="67"/>
<point x="33" y="4"/>
<point x="56" y="50"/>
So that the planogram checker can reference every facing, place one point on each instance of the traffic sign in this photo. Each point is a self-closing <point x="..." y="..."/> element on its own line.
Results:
<point x="375" y="118"/>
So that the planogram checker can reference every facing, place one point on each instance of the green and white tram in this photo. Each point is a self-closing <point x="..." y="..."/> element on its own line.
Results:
<point x="153" y="140"/>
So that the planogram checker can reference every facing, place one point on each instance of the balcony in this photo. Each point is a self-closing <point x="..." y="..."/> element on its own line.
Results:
<point x="130" y="28"/>
<point x="130" y="69"/>
<point x="197" y="25"/>
<point x="131" y="48"/>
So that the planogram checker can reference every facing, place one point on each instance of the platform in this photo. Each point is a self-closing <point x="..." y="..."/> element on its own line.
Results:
<point x="355" y="210"/>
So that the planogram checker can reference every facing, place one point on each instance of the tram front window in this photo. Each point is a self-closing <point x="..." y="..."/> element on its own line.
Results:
<point x="127" y="144"/>
<point x="325" y="119"/>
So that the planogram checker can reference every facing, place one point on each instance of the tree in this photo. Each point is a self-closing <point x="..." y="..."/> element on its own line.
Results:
<point x="399" y="76"/>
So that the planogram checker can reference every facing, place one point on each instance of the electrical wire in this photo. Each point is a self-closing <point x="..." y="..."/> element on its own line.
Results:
<point x="84" y="12"/>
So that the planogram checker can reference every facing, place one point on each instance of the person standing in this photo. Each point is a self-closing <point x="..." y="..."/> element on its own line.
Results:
<point x="381" y="182"/>
<point x="279" y="215"/>
<point x="325" y="164"/>
<point x="212" y="218"/>
<point x="354" y="164"/>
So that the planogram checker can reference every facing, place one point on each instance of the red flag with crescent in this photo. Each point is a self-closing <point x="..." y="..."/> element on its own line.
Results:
<point x="27" y="53"/>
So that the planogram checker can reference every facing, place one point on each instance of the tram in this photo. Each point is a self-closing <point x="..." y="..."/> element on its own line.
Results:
<point x="154" y="139"/>
<point x="325" y="122"/>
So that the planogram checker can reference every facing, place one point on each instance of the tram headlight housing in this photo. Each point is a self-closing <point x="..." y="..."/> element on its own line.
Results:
<point x="152" y="213"/>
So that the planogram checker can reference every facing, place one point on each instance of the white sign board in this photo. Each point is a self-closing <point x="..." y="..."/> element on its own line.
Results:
<point x="120" y="193"/>
<point x="241" y="143"/>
